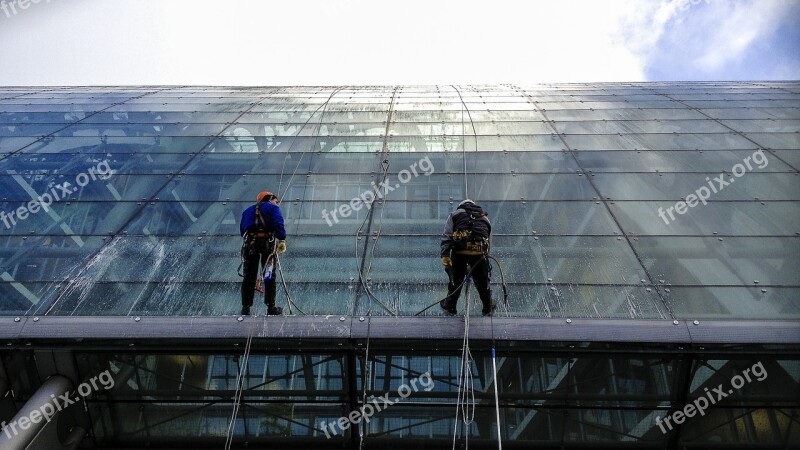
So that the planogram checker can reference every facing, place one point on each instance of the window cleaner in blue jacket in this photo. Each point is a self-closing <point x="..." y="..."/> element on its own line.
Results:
<point x="264" y="236"/>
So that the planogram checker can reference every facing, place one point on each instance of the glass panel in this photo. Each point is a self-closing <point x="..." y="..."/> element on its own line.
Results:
<point x="80" y="110"/>
<point x="25" y="187"/>
<point x="641" y="126"/>
<point x="624" y="114"/>
<point x="311" y="117"/>
<point x="345" y="187"/>
<point x="730" y="303"/>
<point x="702" y="104"/>
<point x="790" y="141"/>
<point x="142" y="129"/>
<point x="458" y="116"/>
<point x="790" y="156"/>
<point x="764" y="126"/>
<point x="753" y="113"/>
<point x="12" y="144"/>
<point x="159" y="117"/>
<point x="484" y="143"/>
<point x="673" y="161"/>
<point x="659" y="142"/>
<point x="741" y="218"/>
<point x="728" y="261"/>
<point x="674" y="186"/>
<point x="25" y="117"/>
<point x="753" y="427"/>
<point x="53" y="164"/>
<point x="248" y="143"/>
<point x="67" y="218"/>
<point x="12" y="130"/>
<point x="118" y="144"/>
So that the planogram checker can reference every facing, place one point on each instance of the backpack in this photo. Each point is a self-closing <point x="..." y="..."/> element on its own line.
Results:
<point x="470" y="233"/>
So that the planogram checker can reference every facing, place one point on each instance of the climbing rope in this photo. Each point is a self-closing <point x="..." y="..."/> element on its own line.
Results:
<point x="465" y="401"/>
<point x="239" y="391"/>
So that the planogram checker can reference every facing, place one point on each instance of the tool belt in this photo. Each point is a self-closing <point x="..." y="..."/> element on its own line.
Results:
<point x="470" y="244"/>
<point x="258" y="242"/>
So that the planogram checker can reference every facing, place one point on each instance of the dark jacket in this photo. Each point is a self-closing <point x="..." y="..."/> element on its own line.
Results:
<point x="273" y="220"/>
<point x="467" y="217"/>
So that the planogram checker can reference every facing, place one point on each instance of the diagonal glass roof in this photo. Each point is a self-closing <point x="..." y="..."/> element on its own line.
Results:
<point x="573" y="177"/>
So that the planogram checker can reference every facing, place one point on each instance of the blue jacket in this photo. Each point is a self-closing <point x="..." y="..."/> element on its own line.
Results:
<point x="273" y="220"/>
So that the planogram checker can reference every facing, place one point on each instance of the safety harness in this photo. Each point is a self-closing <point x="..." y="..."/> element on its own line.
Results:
<point x="260" y="232"/>
<point x="251" y="240"/>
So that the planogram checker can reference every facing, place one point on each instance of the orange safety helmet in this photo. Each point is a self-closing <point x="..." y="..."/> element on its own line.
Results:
<point x="265" y="196"/>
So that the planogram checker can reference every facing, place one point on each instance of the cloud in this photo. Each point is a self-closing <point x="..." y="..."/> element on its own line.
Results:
<point x="712" y="39"/>
<point x="739" y="25"/>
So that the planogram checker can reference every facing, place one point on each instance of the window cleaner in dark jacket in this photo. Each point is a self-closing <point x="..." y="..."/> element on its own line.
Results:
<point x="465" y="250"/>
<point x="264" y="236"/>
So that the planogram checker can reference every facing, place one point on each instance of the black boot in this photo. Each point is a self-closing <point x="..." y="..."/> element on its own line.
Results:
<point x="274" y="310"/>
<point x="245" y="310"/>
<point x="450" y="309"/>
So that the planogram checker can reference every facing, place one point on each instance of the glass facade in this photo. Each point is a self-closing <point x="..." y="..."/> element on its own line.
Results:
<point x="572" y="176"/>
<point x="647" y="203"/>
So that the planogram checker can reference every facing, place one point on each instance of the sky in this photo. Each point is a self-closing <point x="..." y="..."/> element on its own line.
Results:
<point x="368" y="42"/>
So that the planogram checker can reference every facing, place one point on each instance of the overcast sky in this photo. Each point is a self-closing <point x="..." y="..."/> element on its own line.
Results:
<point x="334" y="42"/>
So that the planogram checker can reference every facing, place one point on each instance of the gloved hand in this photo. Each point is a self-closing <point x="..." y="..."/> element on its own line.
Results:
<point x="281" y="249"/>
<point x="446" y="261"/>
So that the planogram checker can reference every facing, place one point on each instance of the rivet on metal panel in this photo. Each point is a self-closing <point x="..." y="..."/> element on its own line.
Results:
<point x="360" y="319"/>
<point x="569" y="320"/>
<point x="696" y="322"/>
<point x="675" y="322"/>
<point x="16" y="319"/>
<point x="341" y="319"/>
<point x="137" y="319"/>
<point x="35" y="319"/>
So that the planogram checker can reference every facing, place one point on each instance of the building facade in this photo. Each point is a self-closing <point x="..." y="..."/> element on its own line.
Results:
<point x="648" y="235"/>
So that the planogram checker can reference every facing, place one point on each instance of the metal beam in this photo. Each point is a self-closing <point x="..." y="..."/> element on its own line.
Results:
<point x="428" y="329"/>
<point x="31" y="428"/>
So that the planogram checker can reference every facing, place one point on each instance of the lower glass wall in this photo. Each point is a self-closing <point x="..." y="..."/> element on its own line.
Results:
<point x="592" y="395"/>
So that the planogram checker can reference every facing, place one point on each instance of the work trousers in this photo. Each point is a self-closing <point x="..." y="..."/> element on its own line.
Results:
<point x="481" y="271"/>
<point x="258" y="251"/>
